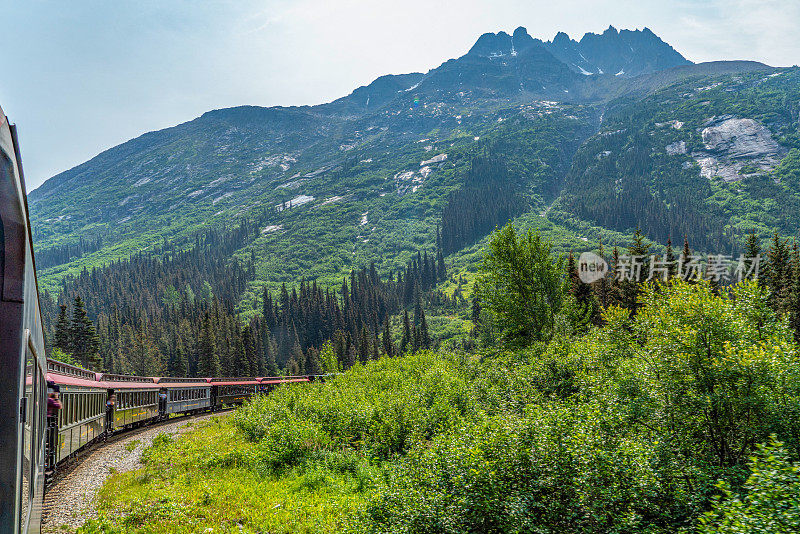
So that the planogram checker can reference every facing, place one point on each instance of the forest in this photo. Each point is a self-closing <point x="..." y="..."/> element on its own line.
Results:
<point x="176" y="326"/>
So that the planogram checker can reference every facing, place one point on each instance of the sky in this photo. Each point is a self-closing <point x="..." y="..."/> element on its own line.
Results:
<point x="82" y="76"/>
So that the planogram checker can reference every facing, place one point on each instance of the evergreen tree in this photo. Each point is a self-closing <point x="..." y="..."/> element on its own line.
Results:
<point x="84" y="341"/>
<point x="753" y="250"/>
<point x="407" y="338"/>
<point x="208" y="358"/>
<point x="270" y="348"/>
<point x="424" y="336"/>
<point x="62" y="337"/>
<point x="476" y="315"/>
<point x="313" y="365"/>
<point x="777" y="273"/>
<point x="180" y="367"/>
<point x="296" y="360"/>
<point x="363" y="345"/>
<point x="388" y="344"/>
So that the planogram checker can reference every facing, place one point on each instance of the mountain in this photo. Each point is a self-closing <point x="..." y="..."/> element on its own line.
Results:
<point x="621" y="53"/>
<point x="370" y="176"/>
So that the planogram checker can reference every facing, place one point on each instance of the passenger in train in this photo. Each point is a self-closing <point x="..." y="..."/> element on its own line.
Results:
<point x="162" y="401"/>
<point x="53" y="406"/>
<point x="110" y="403"/>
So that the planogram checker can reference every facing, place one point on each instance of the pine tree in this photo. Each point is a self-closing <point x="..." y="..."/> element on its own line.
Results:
<point x="241" y="367"/>
<point x="180" y="366"/>
<point x="476" y="315"/>
<point x="313" y="365"/>
<point x="424" y="336"/>
<point x="85" y="343"/>
<point x="62" y="336"/>
<point x="777" y="273"/>
<point x="407" y="338"/>
<point x="686" y="254"/>
<point x="794" y="292"/>
<point x="270" y="348"/>
<point x="363" y="345"/>
<point x="208" y="364"/>
<point x="375" y="346"/>
<point x="602" y="287"/>
<point x="296" y="360"/>
<point x="753" y="251"/>
<point x="388" y="344"/>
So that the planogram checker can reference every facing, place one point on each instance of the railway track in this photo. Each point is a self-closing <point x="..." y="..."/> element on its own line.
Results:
<point x="69" y="498"/>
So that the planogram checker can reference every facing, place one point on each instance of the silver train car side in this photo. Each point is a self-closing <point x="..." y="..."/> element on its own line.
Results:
<point x="23" y="390"/>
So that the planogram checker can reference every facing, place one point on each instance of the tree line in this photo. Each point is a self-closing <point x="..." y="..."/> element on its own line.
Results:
<point x="175" y="315"/>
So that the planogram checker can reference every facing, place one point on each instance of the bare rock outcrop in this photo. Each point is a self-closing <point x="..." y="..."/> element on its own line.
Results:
<point x="736" y="147"/>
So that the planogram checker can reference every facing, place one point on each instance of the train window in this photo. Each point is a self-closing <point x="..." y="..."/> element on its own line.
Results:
<point x="27" y="464"/>
<point x="60" y="416"/>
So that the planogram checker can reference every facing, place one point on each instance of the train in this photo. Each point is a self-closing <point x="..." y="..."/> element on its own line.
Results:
<point x="93" y="405"/>
<point x="97" y="405"/>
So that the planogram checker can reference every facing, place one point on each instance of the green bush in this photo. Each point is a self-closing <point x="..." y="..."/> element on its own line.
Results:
<point x="769" y="502"/>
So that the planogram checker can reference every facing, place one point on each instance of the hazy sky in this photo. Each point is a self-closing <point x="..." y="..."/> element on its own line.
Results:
<point x="81" y="76"/>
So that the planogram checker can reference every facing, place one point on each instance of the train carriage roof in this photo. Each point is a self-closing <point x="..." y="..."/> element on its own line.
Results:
<point x="281" y="380"/>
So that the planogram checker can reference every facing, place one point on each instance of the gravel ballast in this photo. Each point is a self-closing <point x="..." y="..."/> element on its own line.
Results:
<point x="70" y="501"/>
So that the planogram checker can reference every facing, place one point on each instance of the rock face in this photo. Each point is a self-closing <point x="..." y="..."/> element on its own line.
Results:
<point x="623" y="53"/>
<point x="735" y="148"/>
<point x="678" y="147"/>
<point x="740" y="138"/>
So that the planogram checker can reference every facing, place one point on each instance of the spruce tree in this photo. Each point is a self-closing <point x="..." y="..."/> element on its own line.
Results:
<point x="62" y="335"/>
<point x="208" y="364"/>
<point x="313" y="365"/>
<point x="296" y="357"/>
<point x="363" y="345"/>
<point x="407" y="339"/>
<point x="180" y="366"/>
<point x="270" y="348"/>
<point x="388" y="345"/>
<point x="84" y="341"/>
<point x="752" y="251"/>
<point x="424" y="336"/>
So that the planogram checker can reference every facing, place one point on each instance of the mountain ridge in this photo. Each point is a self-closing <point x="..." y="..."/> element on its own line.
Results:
<point x="363" y="153"/>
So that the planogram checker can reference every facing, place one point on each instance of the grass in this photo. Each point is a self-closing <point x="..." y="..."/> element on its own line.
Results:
<point x="210" y="478"/>
<point x="132" y="445"/>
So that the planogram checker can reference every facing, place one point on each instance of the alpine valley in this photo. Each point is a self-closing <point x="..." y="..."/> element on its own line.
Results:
<point x="584" y="140"/>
